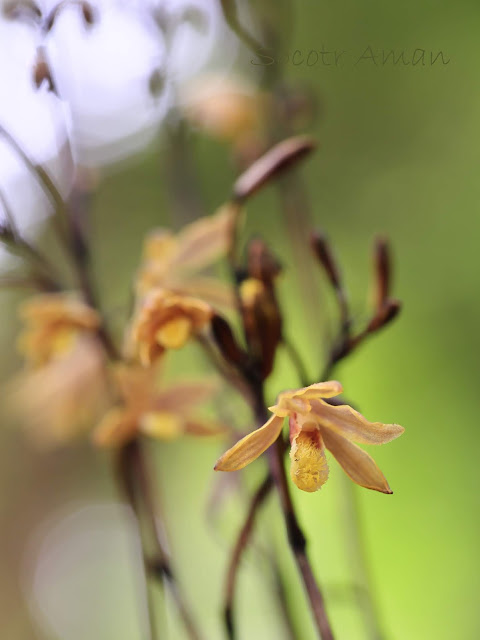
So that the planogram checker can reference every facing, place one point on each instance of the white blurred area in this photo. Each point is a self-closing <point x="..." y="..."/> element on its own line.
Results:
<point x="37" y="121"/>
<point x="82" y="575"/>
<point x="116" y="79"/>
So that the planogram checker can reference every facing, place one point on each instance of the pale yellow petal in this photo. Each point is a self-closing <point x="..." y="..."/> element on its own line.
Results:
<point x="159" y="246"/>
<point x="115" y="429"/>
<point x="205" y="240"/>
<point x="183" y="396"/>
<point x="208" y="288"/>
<point x="251" y="447"/>
<point x="164" y="425"/>
<point x="327" y="389"/>
<point x="174" y="333"/>
<point x="298" y="400"/>
<point x="309" y="468"/>
<point x="352" y="425"/>
<point x="355" y="462"/>
<point x="203" y="427"/>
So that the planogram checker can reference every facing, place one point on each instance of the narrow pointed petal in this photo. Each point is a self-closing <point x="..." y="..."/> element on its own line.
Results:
<point x="202" y="428"/>
<point x="299" y="400"/>
<point x="205" y="240"/>
<point x="251" y="447"/>
<point x="352" y="425"/>
<point x="164" y="425"/>
<point x="356" y="463"/>
<point x="210" y="289"/>
<point x="327" y="389"/>
<point x="185" y="395"/>
<point x="115" y="429"/>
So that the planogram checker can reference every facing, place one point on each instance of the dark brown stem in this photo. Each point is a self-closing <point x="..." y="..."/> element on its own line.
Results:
<point x="136" y="479"/>
<point x="46" y="272"/>
<point x="47" y="183"/>
<point x="295" y="534"/>
<point x="298" y="543"/>
<point x="78" y="249"/>
<point x="128" y="473"/>
<point x="239" y="548"/>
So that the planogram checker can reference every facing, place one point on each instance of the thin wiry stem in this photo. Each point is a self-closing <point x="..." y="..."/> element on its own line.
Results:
<point x="239" y="548"/>
<point x="47" y="183"/>
<point x="127" y="473"/>
<point x="231" y="16"/>
<point x="44" y="272"/>
<point x="160" y="566"/>
<point x="254" y="380"/>
<point x="298" y="543"/>
<point x="358" y="557"/>
<point x="77" y="212"/>
<point x="296" y="361"/>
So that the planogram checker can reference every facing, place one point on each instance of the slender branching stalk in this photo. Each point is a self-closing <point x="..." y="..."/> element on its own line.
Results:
<point x="239" y="548"/>
<point x="134" y="471"/>
<point x="58" y="203"/>
<point x="267" y="168"/>
<point x="231" y="16"/>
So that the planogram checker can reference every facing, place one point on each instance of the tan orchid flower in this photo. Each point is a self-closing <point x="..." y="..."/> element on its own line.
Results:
<point x="314" y="426"/>
<point x="173" y="261"/>
<point x="63" y="398"/>
<point x="166" y="320"/>
<point x="227" y="109"/>
<point x="53" y="323"/>
<point x="165" y="414"/>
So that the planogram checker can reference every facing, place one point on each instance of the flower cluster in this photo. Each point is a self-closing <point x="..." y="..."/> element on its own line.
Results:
<point x="80" y="377"/>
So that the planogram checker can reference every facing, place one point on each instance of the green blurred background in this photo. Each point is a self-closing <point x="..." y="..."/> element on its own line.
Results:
<point x="399" y="152"/>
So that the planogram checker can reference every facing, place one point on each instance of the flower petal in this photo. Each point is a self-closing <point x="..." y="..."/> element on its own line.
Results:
<point x="183" y="396"/>
<point x="164" y="425"/>
<point x="250" y="447"/>
<point x="355" y="462"/>
<point x="115" y="429"/>
<point x="298" y="400"/>
<point x="201" y="427"/>
<point x="309" y="468"/>
<point x="352" y="425"/>
<point x="203" y="241"/>
<point x="327" y="389"/>
<point x="175" y="333"/>
<point x="207" y="288"/>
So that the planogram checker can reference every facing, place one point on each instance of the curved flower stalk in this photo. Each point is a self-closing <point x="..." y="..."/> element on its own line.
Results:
<point x="33" y="125"/>
<point x="147" y="409"/>
<point x="314" y="426"/>
<point x="175" y="261"/>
